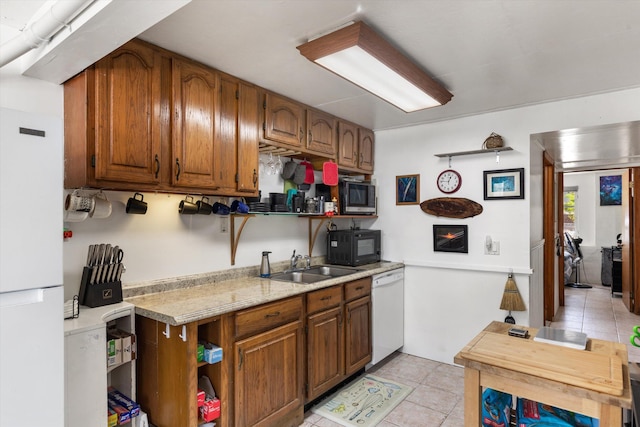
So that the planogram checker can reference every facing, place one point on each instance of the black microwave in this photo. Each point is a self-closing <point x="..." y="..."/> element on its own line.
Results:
<point x="357" y="198"/>
<point x="353" y="247"/>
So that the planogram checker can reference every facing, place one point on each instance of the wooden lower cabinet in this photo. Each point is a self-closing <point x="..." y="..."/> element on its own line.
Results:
<point x="268" y="378"/>
<point x="357" y="334"/>
<point x="168" y="371"/>
<point x="338" y="334"/>
<point x="261" y="379"/>
<point x="325" y="350"/>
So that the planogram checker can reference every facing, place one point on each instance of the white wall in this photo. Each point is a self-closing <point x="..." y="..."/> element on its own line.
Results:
<point x="597" y="225"/>
<point x="446" y="304"/>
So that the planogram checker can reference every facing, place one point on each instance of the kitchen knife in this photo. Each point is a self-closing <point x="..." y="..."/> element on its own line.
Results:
<point x="99" y="262"/>
<point x="106" y="262"/>
<point x="90" y="256"/>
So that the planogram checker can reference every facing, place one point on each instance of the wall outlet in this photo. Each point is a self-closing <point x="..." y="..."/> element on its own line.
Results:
<point x="492" y="249"/>
<point x="224" y="224"/>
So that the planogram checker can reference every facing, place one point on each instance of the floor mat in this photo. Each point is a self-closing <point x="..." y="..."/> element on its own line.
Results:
<point x="364" y="402"/>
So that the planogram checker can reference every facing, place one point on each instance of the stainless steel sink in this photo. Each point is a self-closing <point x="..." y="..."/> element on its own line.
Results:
<point x="332" y="270"/>
<point x="314" y="274"/>
<point x="299" y="277"/>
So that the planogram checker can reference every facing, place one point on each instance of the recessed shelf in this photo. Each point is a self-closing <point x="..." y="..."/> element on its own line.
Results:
<point x="466" y="153"/>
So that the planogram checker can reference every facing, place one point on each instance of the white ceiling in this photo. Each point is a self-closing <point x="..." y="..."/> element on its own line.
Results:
<point x="492" y="55"/>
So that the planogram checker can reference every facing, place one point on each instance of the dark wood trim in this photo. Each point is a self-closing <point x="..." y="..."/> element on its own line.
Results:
<point x="549" y="235"/>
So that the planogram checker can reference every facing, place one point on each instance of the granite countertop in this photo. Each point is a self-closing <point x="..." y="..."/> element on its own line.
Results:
<point x="177" y="302"/>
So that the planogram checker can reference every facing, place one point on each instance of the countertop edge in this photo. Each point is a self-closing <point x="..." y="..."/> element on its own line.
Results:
<point x="152" y="307"/>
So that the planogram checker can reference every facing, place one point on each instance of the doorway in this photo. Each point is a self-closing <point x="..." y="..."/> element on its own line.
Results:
<point x="598" y="148"/>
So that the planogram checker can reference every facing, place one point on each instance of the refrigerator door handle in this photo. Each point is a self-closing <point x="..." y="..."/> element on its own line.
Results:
<point x="17" y="298"/>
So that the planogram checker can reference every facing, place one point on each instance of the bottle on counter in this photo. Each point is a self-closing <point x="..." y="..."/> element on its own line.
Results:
<point x="265" y="267"/>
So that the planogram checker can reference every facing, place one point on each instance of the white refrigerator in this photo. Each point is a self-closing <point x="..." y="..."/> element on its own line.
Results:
<point x="31" y="271"/>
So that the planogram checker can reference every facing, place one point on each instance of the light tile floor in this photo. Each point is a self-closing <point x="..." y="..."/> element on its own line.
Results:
<point x="438" y="387"/>
<point x="595" y="312"/>
<point x="436" y="399"/>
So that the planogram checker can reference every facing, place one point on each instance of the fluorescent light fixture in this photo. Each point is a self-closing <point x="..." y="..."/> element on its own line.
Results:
<point x="358" y="54"/>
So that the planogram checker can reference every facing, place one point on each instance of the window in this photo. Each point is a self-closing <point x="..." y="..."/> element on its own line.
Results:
<point x="571" y="210"/>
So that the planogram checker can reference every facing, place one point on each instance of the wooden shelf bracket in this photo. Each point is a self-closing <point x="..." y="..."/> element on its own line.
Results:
<point x="232" y="233"/>
<point x="313" y="234"/>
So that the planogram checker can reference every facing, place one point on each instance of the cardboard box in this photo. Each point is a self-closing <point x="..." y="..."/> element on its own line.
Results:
<point x="114" y="350"/>
<point x="212" y="353"/>
<point x="112" y="418"/>
<point x="122" y="400"/>
<point x="210" y="410"/>
<point x="128" y="344"/>
<point x="200" y="352"/>
<point x="123" y="414"/>
<point x="201" y="397"/>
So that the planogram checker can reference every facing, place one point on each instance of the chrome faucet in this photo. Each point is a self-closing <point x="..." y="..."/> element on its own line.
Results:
<point x="295" y="258"/>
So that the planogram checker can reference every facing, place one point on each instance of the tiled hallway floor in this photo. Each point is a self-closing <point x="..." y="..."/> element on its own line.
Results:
<point x="438" y="387"/>
<point x="599" y="315"/>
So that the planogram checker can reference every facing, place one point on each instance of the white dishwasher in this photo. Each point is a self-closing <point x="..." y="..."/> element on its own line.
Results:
<point x="387" y="296"/>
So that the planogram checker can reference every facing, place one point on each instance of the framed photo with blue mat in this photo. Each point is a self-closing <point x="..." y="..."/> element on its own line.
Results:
<point x="407" y="189"/>
<point x="504" y="184"/>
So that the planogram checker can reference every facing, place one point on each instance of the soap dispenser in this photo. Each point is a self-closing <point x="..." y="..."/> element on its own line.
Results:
<point x="265" y="268"/>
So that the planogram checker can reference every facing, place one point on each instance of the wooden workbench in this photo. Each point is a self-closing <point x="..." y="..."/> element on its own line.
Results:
<point x="594" y="382"/>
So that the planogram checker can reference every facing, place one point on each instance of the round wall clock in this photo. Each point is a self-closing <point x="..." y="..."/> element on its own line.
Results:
<point x="449" y="181"/>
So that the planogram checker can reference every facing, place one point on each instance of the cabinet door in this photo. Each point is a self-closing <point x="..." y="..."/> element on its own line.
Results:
<point x="321" y="133"/>
<point x="358" y="334"/>
<point x="365" y="149"/>
<point x="128" y="92"/>
<point x="248" y="136"/>
<point x="284" y="120"/>
<point x="195" y="102"/>
<point x="325" y="350"/>
<point x="347" y="145"/>
<point x="268" y="376"/>
<point x="227" y="150"/>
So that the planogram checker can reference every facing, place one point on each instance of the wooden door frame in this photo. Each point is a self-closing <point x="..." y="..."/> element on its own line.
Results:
<point x="551" y="188"/>
<point x="549" y="234"/>
<point x="631" y="272"/>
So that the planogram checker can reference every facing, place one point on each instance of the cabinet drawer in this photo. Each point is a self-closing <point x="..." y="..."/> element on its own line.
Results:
<point x="268" y="316"/>
<point x="323" y="299"/>
<point x="357" y="288"/>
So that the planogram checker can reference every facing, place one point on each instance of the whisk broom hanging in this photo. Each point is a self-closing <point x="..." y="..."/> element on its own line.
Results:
<point x="511" y="299"/>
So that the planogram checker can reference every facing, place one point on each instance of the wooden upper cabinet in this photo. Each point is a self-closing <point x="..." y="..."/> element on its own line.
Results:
<point x="365" y="148"/>
<point x="355" y="148"/>
<point x="322" y="133"/>
<point x="347" y="144"/>
<point x="248" y="137"/>
<point x="284" y="120"/>
<point x="195" y="95"/>
<point x="226" y="160"/>
<point x="238" y="136"/>
<point x="127" y="111"/>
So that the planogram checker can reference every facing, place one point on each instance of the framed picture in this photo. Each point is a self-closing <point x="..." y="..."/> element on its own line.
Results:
<point x="504" y="184"/>
<point x="611" y="190"/>
<point x="450" y="238"/>
<point x="407" y="189"/>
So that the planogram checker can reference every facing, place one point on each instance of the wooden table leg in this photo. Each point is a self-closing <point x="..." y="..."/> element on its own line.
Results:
<point x="472" y="397"/>
<point x="610" y="416"/>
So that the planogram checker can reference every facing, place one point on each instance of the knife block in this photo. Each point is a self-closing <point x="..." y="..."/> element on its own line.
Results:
<point x="98" y="294"/>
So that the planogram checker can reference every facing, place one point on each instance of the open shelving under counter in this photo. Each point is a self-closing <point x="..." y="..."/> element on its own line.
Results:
<point x="313" y="233"/>
<point x="88" y="372"/>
